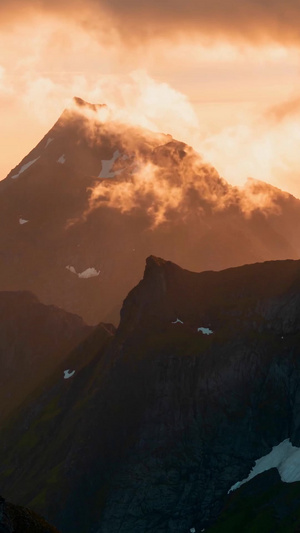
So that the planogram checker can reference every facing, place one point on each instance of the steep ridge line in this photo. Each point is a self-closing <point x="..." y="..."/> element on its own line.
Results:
<point x="160" y="420"/>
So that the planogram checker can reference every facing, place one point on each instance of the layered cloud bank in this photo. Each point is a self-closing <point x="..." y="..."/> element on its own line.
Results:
<point x="255" y="21"/>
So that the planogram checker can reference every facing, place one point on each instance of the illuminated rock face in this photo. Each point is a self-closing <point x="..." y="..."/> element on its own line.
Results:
<point x="100" y="197"/>
<point x="159" y="419"/>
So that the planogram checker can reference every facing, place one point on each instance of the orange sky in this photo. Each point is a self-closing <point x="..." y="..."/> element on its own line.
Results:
<point x="222" y="76"/>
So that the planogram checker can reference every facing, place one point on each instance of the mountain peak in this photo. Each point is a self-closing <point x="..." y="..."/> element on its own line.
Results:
<point x="152" y="262"/>
<point x="80" y="103"/>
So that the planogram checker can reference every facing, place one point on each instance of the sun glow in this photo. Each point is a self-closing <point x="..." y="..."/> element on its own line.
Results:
<point x="235" y="103"/>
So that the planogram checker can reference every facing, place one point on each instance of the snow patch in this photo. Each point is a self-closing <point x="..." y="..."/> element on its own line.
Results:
<point x="177" y="321"/>
<point x="205" y="331"/>
<point x="72" y="269"/>
<point x="61" y="159"/>
<point x="48" y="142"/>
<point x="235" y="486"/>
<point x="285" y="457"/>
<point x="68" y="374"/>
<point x="24" y="167"/>
<point x="23" y="221"/>
<point x="192" y="530"/>
<point x="88" y="273"/>
<point x="107" y="165"/>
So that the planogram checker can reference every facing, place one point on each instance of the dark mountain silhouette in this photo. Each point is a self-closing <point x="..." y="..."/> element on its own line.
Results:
<point x="34" y="340"/>
<point x="164" y="417"/>
<point x="16" y="519"/>
<point x="84" y="208"/>
<point x="263" y="504"/>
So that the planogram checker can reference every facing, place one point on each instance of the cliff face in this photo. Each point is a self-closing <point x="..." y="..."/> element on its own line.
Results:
<point x="157" y="424"/>
<point x="219" y="401"/>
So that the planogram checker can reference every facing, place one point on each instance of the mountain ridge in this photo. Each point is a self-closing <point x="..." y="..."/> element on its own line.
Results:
<point x="16" y="519"/>
<point x="171" y="415"/>
<point x="34" y="340"/>
<point x="84" y="208"/>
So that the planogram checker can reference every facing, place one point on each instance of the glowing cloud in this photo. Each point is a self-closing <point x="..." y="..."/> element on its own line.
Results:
<point x="160" y="177"/>
<point x="247" y="20"/>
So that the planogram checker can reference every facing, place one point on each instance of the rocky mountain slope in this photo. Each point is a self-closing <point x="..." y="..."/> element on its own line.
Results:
<point x="95" y="197"/>
<point x="16" y="519"/>
<point x="163" y="419"/>
<point x="34" y="340"/>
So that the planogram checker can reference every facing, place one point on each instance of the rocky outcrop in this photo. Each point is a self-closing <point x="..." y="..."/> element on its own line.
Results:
<point x="161" y="419"/>
<point x="16" y="519"/>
